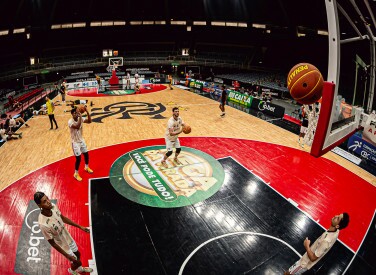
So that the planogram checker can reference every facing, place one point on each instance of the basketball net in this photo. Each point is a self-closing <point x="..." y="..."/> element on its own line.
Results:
<point x="312" y="111"/>
<point x="111" y="68"/>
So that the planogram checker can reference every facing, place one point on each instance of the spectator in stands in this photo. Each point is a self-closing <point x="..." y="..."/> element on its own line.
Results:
<point x="6" y="134"/>
<point x="14" y="103"/>
<point x="50" y="111"/>
<point x="269" y="98"/>
<point x="15" y="122"/>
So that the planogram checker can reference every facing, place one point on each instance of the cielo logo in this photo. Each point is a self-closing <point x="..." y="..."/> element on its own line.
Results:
<point x="139" y="176"/>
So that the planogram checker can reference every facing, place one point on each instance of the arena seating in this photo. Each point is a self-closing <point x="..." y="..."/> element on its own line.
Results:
<point x="269" y="80"/>
<point x="24" y="98"/>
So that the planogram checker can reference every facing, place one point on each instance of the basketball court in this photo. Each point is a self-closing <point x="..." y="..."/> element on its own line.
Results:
<point x="255" y="195"/>
<point x="242" y="201"/>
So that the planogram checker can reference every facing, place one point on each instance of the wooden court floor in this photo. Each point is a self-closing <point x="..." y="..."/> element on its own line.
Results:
<point x="43" y="161"/>
<point x="40" y="146"/>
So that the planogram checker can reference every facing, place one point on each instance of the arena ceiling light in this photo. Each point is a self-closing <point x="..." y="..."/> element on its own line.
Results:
<point x="242" y="25"/>
<point x="107" y="23"/>
<point x="160" y="22"/>
<point x="322" y="32"/>
<point x="259" y="26"/>
<point x="147" y="22"/>
<point x="231" y="24"/>
<point x="79" y="25"/>
<point x="66" y="26"/>
<point x="56" y="27"/>
<point x="199" y="23"/>
<point x="178" y="22"/>
<point x="4" y="32"/>
<point x="134" y="23"/>
<point x="119" y="23"/>
<point x="20" y="30"/>
<point x="95" y="24"/>
<point x="218" y="23"/>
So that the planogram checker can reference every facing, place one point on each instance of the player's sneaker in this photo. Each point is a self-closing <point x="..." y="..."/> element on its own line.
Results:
<point x="223" y="115"/>
<point x="164" y="164"/>
<point x="177" y="161"/>
<point x="77" y="177"/>
<point x="74" y="272"/>
<point x="89" y="170"/>
<point x="86" y="269"/>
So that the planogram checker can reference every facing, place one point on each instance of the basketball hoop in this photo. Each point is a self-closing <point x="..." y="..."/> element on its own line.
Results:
<point x="313" y="112"/>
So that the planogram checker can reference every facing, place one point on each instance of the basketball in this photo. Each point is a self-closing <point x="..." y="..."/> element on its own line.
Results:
<point x="187" y="129"/>
<point x="305" y="83"/>
<point x="81" y="108"/>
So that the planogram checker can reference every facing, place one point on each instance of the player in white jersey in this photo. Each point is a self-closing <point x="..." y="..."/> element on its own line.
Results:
<point x="51" y="223"/>
<point x="321" y="246"/>
<point x="174" y="128"/>
<point x="136" y="79"/>
<point x="78" y="142"/>
<point x="128" y="81"/>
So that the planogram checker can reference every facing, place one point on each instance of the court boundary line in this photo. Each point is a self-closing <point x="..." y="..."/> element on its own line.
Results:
<point x="356" y="253"/>
<point x="231" y="234"/>
<point x="91" y="229"/>
<point x="162" y="139"/>
<point x="287" y="199"/>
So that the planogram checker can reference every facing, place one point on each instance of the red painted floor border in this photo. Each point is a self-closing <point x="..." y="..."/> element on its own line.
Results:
<point x="319" y="186"/>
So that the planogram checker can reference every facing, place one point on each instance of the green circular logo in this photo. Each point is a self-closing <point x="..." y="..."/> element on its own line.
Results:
<point x="139" y="176"/>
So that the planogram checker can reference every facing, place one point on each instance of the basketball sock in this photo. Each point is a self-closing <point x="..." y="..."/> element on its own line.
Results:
<point x="80" y="269"/>
<point x="86" y="165"/>
<point x="76" y="171"/>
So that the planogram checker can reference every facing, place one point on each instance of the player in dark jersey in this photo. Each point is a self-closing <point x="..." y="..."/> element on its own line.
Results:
<point x="223" y="100"/>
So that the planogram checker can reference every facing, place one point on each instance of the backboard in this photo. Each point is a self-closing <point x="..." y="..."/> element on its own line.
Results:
<point x="349" y="88"/>
<point x="114" y="63"/>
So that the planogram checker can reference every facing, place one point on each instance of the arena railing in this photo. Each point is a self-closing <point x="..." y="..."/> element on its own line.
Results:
<point x="67" y="63"/>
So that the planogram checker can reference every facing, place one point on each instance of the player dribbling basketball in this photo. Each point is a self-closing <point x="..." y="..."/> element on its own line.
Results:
<point x="174" y="127"/>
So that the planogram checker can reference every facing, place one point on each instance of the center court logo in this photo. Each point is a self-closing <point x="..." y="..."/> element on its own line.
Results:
<point x="138" y="176"/>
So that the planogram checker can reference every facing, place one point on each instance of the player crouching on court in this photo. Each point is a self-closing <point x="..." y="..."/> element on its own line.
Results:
<point x="174" y="127"/>
<point x="51" y="222"/>
<point x="78" y="143"/>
